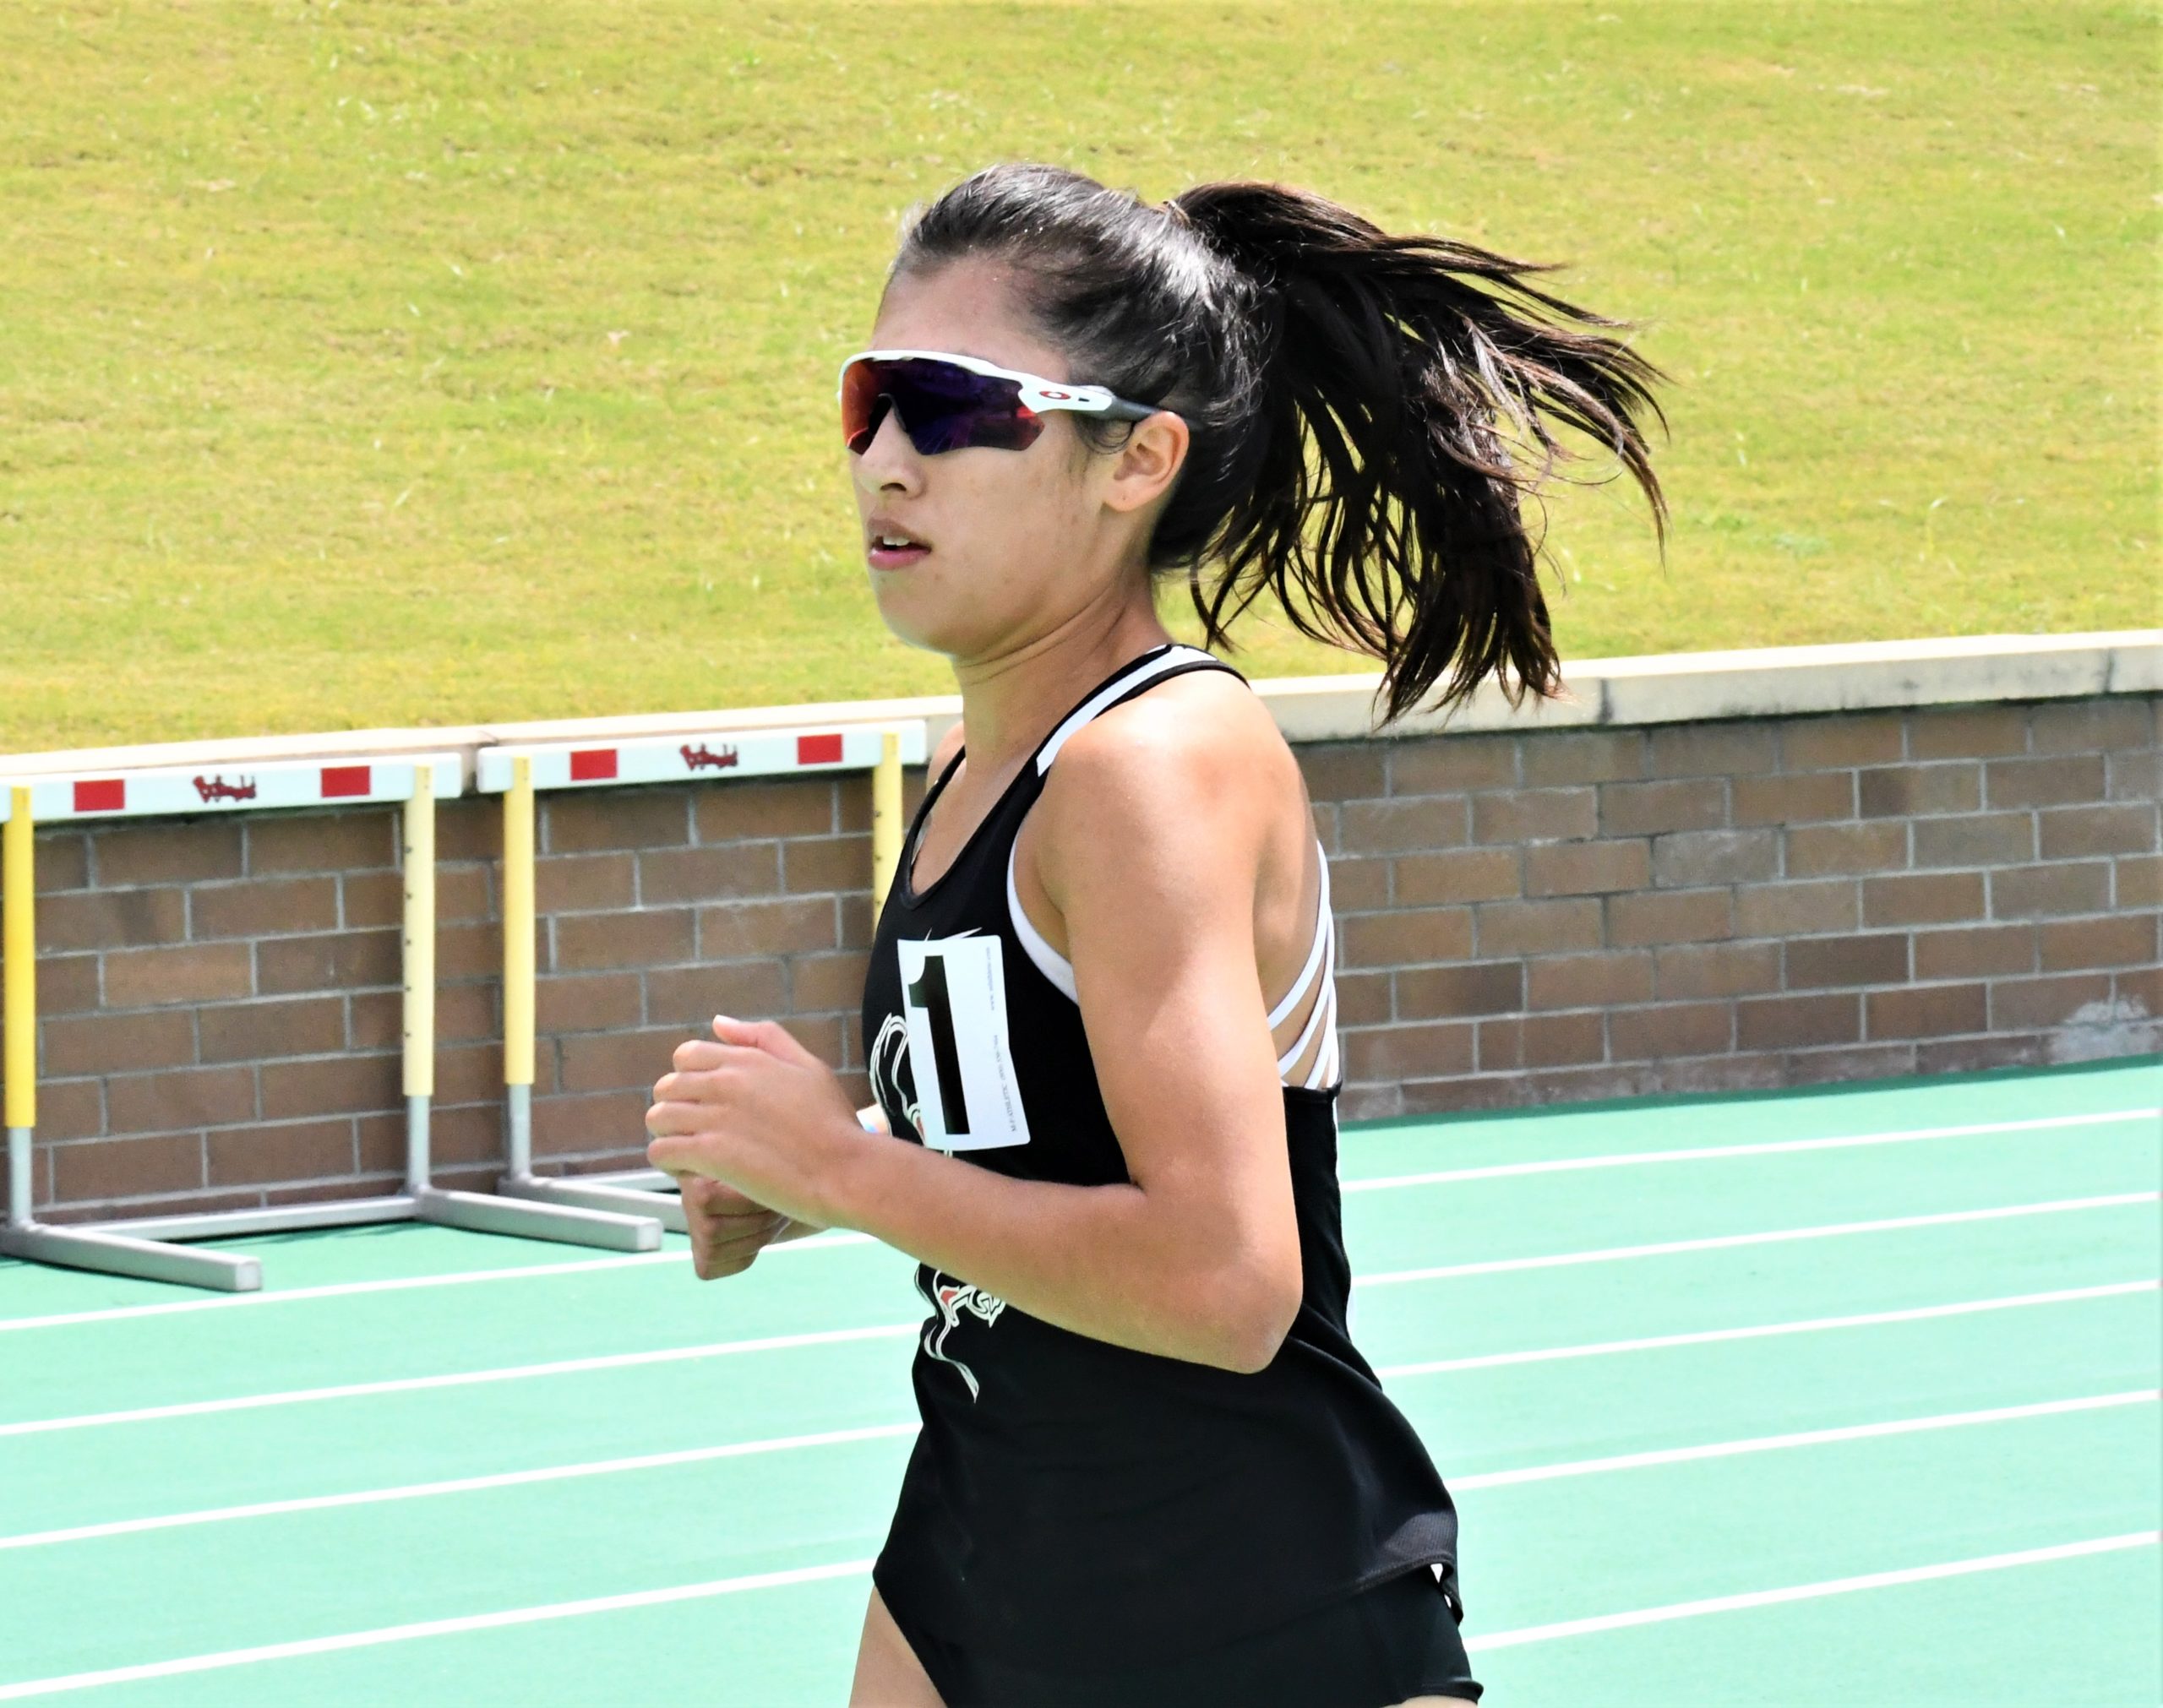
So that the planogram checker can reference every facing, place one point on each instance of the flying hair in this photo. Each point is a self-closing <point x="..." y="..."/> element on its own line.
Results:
<point x="1369" y="414"/>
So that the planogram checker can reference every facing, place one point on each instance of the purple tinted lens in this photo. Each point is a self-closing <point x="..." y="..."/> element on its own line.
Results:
<point x="943" y="407"/>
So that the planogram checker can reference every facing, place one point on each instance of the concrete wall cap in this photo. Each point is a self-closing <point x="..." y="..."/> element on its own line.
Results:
<point x="1668" y="687"/>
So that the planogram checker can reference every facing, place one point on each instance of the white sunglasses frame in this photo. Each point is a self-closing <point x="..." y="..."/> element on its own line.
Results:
<point x="1037" y="393"/>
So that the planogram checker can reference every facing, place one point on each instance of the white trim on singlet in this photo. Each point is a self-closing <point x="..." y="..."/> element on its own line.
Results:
<point x="1325" y="1070"/>
<point x="1323" y="1010"/>
<point x="1321" y="955"/>
<point x="1283" y="1011"/>
<point x="1172" y="659"/>
<point x="1049" y="961"/>
<point x="1320" y="958"/>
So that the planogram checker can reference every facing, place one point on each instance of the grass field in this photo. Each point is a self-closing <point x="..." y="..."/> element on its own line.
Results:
<point x="371" y="363"/>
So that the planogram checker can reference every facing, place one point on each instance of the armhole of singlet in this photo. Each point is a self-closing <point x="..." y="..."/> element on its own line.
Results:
<point x="1321" y="953"/>
<point x="1316" y="951"/>
<point x="1049" y="961"/>
<point x="1323" y="1017"/>
<point x="1321" y="959"/>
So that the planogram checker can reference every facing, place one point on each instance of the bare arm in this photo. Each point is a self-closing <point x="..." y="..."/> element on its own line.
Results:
<point x="1151" y="834"/>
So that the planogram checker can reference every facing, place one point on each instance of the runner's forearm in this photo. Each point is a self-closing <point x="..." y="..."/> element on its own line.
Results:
<point x="1104" y="1261"/>
<point x="873" y="1119"/>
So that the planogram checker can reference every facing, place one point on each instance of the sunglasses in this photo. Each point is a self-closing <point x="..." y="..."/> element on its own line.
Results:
<point x="951" y="403"/>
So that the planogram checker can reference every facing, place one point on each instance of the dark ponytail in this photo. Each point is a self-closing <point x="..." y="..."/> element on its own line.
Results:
<point x="1352" y="399"/>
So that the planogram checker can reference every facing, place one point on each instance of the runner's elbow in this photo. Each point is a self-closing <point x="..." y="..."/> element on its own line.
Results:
<point x="1256" y="1305"/>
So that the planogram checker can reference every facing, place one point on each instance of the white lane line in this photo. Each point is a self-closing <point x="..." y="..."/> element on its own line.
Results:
<point x="411" y="1385"/>
<point x="834" y="1438"/>
<point x="170" y="1308"/>
<point x="429" y="1627"/>
<point x="1724" y="1242"/>
<point x="827" y="1242"/>
<point x="1771" y="1148"/>
<point x="1805" y="1592"/>
<point x="803" y="1575"/>
<point x="1801" y="1437"/>
<point x="1705" y="1337"/>
<point x="1387" y="1278"/>
<point x="337" y="1289"/>
<point x="459" y="1485"/>
<point x="625" y="1360"/>
<point x="1483" y="1361"/>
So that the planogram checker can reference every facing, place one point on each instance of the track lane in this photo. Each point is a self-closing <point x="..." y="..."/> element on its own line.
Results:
<point x="119" y="1364"/>
<point x="1636" y="1538"/>
<point x="70" y="1476"/>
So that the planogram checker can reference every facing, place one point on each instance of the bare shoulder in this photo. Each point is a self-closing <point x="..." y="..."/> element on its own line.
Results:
<point x="948" y="745"/>
<point x="1200" y="752"/>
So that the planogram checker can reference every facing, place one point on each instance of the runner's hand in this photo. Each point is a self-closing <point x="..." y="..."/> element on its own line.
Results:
<point x="727" y="1230"/>
<point x="758" y="1112"/>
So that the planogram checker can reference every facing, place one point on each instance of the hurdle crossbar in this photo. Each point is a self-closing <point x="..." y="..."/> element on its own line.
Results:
<point x="149" y="1248"/>
<point x="519" y="773"/>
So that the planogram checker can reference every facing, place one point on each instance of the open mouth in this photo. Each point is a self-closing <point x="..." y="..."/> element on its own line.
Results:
<point x="891" y="549"/>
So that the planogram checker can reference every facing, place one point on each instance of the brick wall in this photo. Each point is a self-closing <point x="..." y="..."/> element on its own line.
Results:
<point x="1608" y="912"/>
<point x="1525" y="917"/>
<point x="219" y="998"/>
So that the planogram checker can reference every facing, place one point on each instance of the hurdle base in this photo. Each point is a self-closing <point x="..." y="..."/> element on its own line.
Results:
<point x="644" y="1192"/>
<point x="604" y="1226"/>
<point x="142" y="1259"/>
<point x="634" y="1179"/>
<point x="277" y="1218"/>
<point x="595" y="1194"/>
<point x="147" y="1251"/>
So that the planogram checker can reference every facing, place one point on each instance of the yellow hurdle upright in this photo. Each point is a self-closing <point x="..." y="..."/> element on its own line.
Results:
<point x="885" y="818"/>
<point x="521" y="775"/>
<point x="18" y="997"/>
<point x="148" y="1246"/>
<point x="599" y="1199"/>
<point x="518" y="930"/>
<point x="418" y="856"/>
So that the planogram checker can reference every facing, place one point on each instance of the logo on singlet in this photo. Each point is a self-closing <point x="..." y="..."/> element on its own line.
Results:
<point x="952" y="1295"/>
<point x="893" y="1081"/>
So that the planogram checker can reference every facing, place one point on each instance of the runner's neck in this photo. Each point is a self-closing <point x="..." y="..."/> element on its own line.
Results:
<point x="1009" y="705"/>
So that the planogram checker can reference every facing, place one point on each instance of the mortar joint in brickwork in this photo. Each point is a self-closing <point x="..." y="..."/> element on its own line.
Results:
<point x="1993" y="899"/>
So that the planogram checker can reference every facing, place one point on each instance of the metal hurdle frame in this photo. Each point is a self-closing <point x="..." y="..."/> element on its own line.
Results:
<point x="146" y="1248"/>
<point x="518" y="772"/>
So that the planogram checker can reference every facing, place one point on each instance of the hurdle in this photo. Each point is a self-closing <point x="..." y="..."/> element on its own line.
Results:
<point x="519" y="773"/>
<point x="149" y="1248"/>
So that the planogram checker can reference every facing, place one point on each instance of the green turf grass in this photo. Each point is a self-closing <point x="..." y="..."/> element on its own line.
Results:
<point x="370" y="364"/>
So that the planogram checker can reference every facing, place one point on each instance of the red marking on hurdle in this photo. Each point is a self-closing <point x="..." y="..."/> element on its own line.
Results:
<point x="218" y="789"/>
<point x="819" y="750"/>
<point x="344" y="779"/>
<point x="703" y="758"/>
<point x="101" y="794"/>
<point x="593" y="764"/>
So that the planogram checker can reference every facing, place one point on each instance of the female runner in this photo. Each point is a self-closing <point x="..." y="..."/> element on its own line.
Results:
<point x="1153" y="1467"/>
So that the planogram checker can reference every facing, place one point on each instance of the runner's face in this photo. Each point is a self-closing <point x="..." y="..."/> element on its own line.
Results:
<point x="1019" y="541"/>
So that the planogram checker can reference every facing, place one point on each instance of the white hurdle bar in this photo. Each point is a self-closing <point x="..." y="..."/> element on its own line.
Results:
<point x="519" y="773"/>
<point x="145" y="1247"/>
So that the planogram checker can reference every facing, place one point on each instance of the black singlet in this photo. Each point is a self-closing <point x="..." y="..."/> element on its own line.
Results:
<point x="1071" y="1504"/>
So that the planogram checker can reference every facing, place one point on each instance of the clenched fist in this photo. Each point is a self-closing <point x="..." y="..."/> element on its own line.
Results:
<point x="757" y="1113"/>
<point x="727" y="1230"/>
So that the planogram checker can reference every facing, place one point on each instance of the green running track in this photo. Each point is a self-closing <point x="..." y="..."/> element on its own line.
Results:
<point x="1843" y="1396"/>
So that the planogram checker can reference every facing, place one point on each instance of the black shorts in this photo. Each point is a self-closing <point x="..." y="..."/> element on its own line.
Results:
<point x="1395" y="1641"/>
